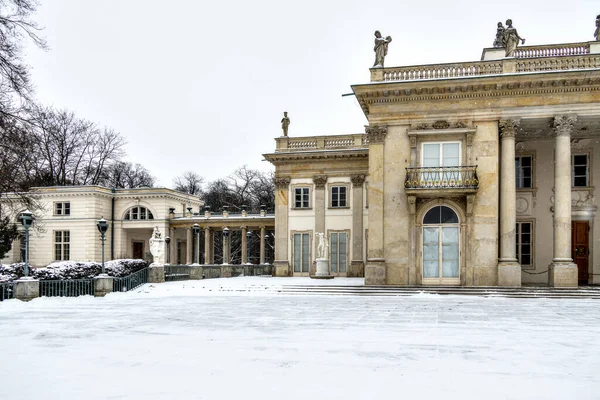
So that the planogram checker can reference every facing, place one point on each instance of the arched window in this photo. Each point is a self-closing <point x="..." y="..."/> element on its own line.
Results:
<point x="440" y="244"/>
<point x="137" y="213"/>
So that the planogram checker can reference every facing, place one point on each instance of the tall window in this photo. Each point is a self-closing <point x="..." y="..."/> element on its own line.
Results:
<point x="445" y="154"/>
<point x="524" y="232"/>
<point x="338" y="196"/>
<point x="301" y="252"/>
<point x="138" y="212"/>
<point x="441" y="244"/>
<point x="338" y="252"/>
<point x="523" y="170"/>
<point x="62" y="245"/>
<point x="581" y="170"/>
<point x="63" y="208"/>
<point x="301" y="197"/>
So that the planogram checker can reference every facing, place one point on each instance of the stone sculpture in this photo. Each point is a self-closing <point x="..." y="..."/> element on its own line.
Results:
<point x="285" y="122"/>
<point x="323" y="246"/>
<point x="597" y="33"/>
<point x="511" y="39"/>
<point x="157" y="246"/>
<point x="500" y="40"/>
<point x="381" y="48"/>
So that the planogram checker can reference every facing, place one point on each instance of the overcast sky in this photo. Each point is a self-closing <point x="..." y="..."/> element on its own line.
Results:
<point x="202" y="85"/>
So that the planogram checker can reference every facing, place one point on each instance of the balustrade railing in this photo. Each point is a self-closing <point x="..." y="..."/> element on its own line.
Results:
<point x="67" y="288"/>
<point x="440" y="71"/>
<point x="553" y="50"/>
<point x="464" y="177"/>
<point x="352" y="141"/>
<point x="131" y="281"/>
<point x="7" y="291"/>
<point x="558" y="63"/>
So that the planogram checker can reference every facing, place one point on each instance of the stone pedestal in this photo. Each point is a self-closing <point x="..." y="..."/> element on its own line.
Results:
<point x="357" y="269"/>
<point x="27" y="288"/>
<point x="156" y="273"/>
<point x="509" y="274"/>
<point x="494" y="53"/>
<point x="322" y="269"/>
<point x="103" y="284"/>
<point x="282" y="268"/>
<point x="595" y="48"/>
<point x="563" y="275"/>
<point x="226" y="270"/>
<point x="196" y="272"/>
<point x="375" y="272"/>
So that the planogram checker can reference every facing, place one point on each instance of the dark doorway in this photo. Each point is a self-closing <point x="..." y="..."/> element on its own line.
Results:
<point x="580" y="235"/>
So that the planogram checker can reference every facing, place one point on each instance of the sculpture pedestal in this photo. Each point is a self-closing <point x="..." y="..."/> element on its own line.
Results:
<point x="322" y="269"/>
<point x="156" y="273"/>
<point x="103" y="285"/>
<point x="27" y="288"/>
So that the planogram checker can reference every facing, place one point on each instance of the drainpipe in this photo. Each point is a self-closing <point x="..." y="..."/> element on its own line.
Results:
<point x="112" y="226"/>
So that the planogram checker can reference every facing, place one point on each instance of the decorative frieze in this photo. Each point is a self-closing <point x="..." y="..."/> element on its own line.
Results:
<point x="282" y="183"/>
<point x="564" y="124"/>
<point x="320" y="181"/>
<point x="357" y="180"/>
<point x="441" y="125"/>
<point x="508" y="127"/>
<point x="376" y="133"/>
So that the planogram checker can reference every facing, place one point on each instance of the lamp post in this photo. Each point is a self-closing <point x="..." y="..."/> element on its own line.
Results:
<point x="248" y="237"/>
<point x="196" y="231"/>
<point x="102" y="227"/>
<point x="225" y="245"/>
<point x="168" y="242"/>
<point x="26" y="219"/>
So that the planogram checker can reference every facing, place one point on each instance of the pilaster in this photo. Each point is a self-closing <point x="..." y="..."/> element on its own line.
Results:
<point x="244" y="245"/>
<point x="208" y="250"/>
<point x="357" y="266"/>
<point x="281" y="262"/>
<point x="320" y="181"/>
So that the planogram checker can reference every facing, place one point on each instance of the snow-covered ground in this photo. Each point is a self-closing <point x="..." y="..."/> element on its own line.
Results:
<point x="213" y="340"/>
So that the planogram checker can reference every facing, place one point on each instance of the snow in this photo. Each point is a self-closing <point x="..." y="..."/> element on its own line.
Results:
<point x="238" y="339"/>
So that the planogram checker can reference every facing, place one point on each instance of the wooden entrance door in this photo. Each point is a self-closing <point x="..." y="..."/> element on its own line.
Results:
<point x="580" y="247"/>
<point x="138" y="250"/>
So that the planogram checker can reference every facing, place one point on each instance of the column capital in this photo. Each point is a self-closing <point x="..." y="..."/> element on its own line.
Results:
<point x="282" y="183"/>
<point x="358" y="180"/>
<point x="564" y="124"/>
<point x="508" y="127"/>
<point x="376" y="133"/>
<point x="320" y="181"/>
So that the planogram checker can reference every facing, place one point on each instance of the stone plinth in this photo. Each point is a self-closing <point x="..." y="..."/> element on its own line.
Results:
<point x="196" y="272"/>
<point x="509" y="274"/>
<point x="282" y="268"/>
<point x="156" y="273"/>
<point x="27" y="288"/>
<point x="595" y="48"/>
<point x="375" y="272"/>
<point x="103" y="284"/>
<point x="226" y="271"/>
<point x="563" y="275"/>
<point x="322" y="269"/>
<point x="357" y="269"/>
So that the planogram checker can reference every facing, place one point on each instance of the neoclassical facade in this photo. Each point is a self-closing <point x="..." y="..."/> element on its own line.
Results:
<point x="474" y="174"/>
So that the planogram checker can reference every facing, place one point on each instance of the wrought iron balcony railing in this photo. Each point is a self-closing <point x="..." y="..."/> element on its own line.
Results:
<point x="464" y="177"/>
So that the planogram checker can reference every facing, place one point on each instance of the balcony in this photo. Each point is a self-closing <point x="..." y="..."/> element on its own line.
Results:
<point x="433" y="181"/>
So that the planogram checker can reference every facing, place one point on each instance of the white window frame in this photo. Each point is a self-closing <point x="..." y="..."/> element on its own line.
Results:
<point x="308" y="194"/>
<point x="441" y="143"/>
<point x="302" y="244"/>
<point x="137" y="212"/>
<point x="331" y="196"/>
<point x="519" y="242"/>
<point x="331" y="251"/>
<point x="587" y="170"/>
<point x="63" y="251"/>
<point x="62" y="208"/>
<point x="519" y="178"/>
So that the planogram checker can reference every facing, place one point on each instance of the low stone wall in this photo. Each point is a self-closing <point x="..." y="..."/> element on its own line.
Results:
<point x="210" y="271"/>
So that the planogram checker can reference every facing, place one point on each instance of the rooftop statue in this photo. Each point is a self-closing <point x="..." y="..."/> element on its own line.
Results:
<point x="597" y="33"/>
<point x="500" y="40"/>
<point x="381" y="48"/>
<point x="285" y="122"/>
<point x="511" y="38"/>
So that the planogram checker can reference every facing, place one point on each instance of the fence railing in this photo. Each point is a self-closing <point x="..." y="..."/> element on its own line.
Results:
<point x="177" y="273"/>
<point x="553" y="50"/>
<point x="7" y="291"/>
<point x="67" y="288"/>
<point x="131" y="281"/>
<point x="464" y="177"/>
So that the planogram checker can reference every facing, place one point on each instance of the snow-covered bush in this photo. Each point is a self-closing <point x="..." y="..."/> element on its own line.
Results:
<point x="62" y="270"/>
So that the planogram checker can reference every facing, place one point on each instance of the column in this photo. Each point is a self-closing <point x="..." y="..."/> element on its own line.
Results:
<point x="562" y="272"/>
<point x="357" y="266"/>
<point x="375" y="270"/>
<point x="319" y="206"/>
<point x="281" y="262"/>
<point x="226" y="248"/>
<point x="262" y="245"/>
<point x="244" y="245"/>
<point x="172" y="247"/>
<point x="207" y="245"/>
<point x="189" y="246"/>
<point x="509" y="270"/>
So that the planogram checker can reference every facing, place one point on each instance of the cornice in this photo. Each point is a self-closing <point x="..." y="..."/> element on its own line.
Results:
<point x="317" y="155"/>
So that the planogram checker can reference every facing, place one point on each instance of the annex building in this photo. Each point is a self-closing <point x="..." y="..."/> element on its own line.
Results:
<point x="476" y="173"/>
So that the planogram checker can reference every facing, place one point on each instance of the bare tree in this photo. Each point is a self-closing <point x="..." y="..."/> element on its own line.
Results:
<point x="125" y="175"/>
<point x="189" y="182"/>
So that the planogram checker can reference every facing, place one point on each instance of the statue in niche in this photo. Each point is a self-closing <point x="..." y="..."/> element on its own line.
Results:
<point x="381" y="49"/>
<point x="597" y="33"/>
<point x="511" y="39"/>
<point x="322" y="246"/>
<point x="500" y="40"/>
<point x="285" y="122"/>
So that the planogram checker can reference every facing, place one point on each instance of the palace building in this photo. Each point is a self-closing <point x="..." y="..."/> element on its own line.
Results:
<point x="473" y="174"/>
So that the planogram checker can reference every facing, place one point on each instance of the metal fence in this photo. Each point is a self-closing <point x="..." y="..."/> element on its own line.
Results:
<point x="67" y="288"/>
<point x="177" y="273"/>
<point x="130" y="282"/>
<point x="7" y="291"/>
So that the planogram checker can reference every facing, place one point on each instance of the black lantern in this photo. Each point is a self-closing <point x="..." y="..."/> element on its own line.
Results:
<point x="225" y="232"/>
<point x="102" y="228"/>
<point x="168" y="241"/>
<point x="26" y="219"/>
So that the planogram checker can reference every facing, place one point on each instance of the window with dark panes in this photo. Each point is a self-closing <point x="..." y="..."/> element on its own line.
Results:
<point x="524" y="171"/>
<point x="62" y="245"/>
<point x="301" y="197"/>
<point x="580" y="172"/>
<point x="524" y="233"/>
<point x="338" y="196"/>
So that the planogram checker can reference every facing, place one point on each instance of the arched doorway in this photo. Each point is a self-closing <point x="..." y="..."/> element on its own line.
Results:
<point x="441" y="246"/>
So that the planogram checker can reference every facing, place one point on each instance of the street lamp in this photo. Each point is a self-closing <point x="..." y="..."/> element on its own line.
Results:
<point x="26" y="219"/>
<point x="168" y="241"/>
<point x="102" y="227"/>
<point x="196" y="231"/>
<point x="248" y="237"/>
